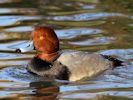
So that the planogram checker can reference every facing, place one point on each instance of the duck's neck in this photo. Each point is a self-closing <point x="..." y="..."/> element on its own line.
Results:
<point x="48" y="57"/>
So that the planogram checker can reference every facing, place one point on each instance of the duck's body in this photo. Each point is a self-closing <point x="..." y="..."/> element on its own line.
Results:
<point x="50" y="62"/>
<point x="72" y="65"/>
<point x="84" y="64"/>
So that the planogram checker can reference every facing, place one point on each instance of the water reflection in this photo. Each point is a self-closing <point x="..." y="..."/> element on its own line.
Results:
<point x="90" y="25"/>
<point x="86" y="16"/>
<point x="123" y="53"/>
<point x="15" y="20"/>
<point x="72" y="33"/>
<point x="19" y="29"/>
<point x="25" y="11"/>
<point x="9" y="1"/>
<point x="94" y="41"/>
<point x="44" y="90"/>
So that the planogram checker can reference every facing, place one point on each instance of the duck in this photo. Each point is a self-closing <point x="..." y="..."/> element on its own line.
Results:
<point x="72" y="65"/>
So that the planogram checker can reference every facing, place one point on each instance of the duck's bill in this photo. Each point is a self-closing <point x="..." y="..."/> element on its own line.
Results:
<point x="28" y="47"/>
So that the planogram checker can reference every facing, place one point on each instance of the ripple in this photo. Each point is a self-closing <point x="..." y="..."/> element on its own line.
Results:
<point x="75" y="23"/>
<point x="11" y="20"/>
<point x="94" y="41"/>
<point x="97" y="85"/>
<point x="19" y="73"/>
<point x="98" y="95"/>
<point x="3" y="35"/>
<point x="19" y="29"/>
<point x="7" y="56"/>
<point x="13" y="45"/>
<point x="123" y="53"/>
<point x="71" y="33"/>
<point x="86" y="16"/>
<point x="88" y="6"/>
<point x="9" y="1"/>
<point x="25" y="11"/>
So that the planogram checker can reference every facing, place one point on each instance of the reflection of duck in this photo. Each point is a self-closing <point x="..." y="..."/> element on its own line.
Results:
<point x="50" y="62"/>
<point x="44" y="91"/>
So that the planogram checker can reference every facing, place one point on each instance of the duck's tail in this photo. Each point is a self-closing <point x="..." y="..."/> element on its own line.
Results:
<point x="116" y="62"/>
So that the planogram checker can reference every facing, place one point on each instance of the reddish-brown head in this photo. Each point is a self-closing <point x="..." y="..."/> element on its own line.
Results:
<point x="45" y="40"/>
<point x="46" y="43"/>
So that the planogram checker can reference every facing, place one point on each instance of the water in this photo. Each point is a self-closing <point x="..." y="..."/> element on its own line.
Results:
<point x="103" y="26"/>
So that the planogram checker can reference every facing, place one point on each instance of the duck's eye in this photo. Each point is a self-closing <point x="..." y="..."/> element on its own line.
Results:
<point x="41" y="37"/>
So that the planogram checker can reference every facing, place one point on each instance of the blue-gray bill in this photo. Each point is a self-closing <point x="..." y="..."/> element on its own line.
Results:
<point x="28" y="47"/>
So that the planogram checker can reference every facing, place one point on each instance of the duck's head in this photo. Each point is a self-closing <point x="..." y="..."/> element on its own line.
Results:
<point x="46" y="43"/>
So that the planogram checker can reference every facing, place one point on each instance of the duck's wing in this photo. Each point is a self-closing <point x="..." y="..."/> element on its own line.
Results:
<point x="82" y="64"/>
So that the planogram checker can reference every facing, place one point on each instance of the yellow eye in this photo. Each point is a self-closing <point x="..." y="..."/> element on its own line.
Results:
<point x="41" y="38"/>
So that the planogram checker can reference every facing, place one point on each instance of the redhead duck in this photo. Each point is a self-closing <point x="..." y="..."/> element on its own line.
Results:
<point x="71" y="65"/>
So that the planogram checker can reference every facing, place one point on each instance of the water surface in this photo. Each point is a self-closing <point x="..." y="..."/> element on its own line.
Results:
<point x="102" y="26"/>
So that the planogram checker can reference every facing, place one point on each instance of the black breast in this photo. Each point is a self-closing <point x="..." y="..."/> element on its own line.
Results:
<point x="47" y="69"/>
<point x="39" y="64"/>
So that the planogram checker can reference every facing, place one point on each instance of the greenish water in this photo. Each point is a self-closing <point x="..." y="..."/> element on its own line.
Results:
<point x="104" y="26"/>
